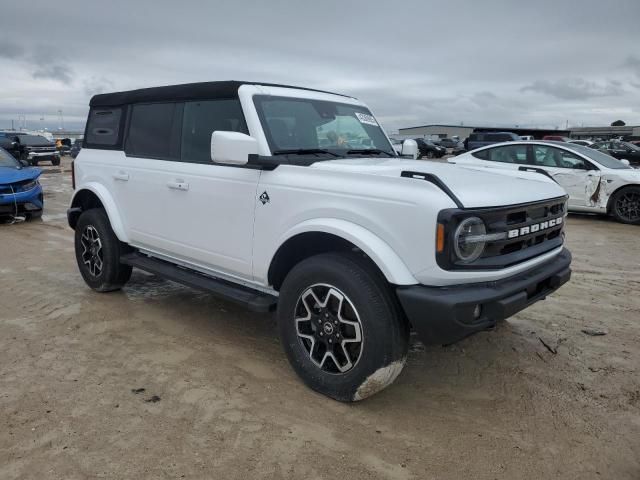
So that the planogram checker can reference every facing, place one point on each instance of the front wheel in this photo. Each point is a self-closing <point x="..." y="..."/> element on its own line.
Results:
<point x="98" y="252"/>
<point x="430" y="154"/>
<point x="625" y="205"/>
<point x="341" y="327"/>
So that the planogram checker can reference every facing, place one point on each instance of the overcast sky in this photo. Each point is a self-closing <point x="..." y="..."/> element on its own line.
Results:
<point x="413" y="62"/>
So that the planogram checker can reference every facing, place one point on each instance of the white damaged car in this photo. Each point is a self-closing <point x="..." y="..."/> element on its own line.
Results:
<point x="594" y="181"/>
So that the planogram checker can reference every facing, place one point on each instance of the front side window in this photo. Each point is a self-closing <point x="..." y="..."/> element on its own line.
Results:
<point x="508" y="154"/>
<point x="306" y="124"/>
<point x="546" y="156"/>
<point x="152" y="131"/>
<point x="103" y="127"/>
<point x="201" y="119"/>
<point x="599" y="157"/>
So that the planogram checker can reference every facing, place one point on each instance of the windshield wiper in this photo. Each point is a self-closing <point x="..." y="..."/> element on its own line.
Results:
<point x="369" y="151"/>
<point x="303" y="151"/>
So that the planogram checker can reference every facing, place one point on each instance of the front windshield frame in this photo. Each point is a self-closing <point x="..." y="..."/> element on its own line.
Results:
<point x="383" y="143"/>
<point x="599" y="157"/>
<point x="8" y="160"/>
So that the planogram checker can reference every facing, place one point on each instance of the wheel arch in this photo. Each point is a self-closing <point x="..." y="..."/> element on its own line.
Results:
<point x="616" y="191"/>
<point x="96" y="196"/>
<point x="321" y="236"/>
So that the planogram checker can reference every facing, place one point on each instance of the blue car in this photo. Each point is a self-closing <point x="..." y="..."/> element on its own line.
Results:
<point x="20" y="191"/>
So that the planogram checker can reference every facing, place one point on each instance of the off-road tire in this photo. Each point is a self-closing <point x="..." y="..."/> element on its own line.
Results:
<point x="113" y="274"/>
<point x="384" y="331"/>
<point x="622" y="212"/>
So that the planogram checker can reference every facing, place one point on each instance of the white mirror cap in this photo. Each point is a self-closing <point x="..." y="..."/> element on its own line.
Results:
<point x="232" y="147"/>
<point x="410" y="148"/>
<point x="625" y="161"/>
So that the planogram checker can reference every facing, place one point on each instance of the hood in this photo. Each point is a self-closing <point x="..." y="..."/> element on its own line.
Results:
<point x="13" y="175"/>
<point x="474" y="187"/>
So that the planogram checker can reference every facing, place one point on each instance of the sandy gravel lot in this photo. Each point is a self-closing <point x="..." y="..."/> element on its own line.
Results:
<point x="220" y="400"/>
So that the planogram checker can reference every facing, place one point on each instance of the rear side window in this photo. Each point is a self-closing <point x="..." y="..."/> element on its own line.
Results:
<point x="482" y="154"/>
<point x="103" y="127"/>
<point x="508" y="154"/>
<point x="154" y="131"/>
<point x="203" y="118"/>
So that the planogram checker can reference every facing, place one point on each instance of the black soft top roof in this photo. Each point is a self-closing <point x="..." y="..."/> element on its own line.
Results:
<point x="186" y="91"/>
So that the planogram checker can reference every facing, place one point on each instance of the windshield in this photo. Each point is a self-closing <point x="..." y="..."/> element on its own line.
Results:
<point x="7" y="160"/>
<point x="305" y="124"/>
<point x="34" y="140"/>
<point x="631" y="146"/>
<point x="597" y="156"/>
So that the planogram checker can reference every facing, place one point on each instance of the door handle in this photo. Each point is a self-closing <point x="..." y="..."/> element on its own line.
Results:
<point x="123" y="177"/>
<point x="178" y="185"/>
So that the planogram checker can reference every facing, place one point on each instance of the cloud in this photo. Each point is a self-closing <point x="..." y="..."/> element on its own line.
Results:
<point x="61" y="73"/>
<point x="96" y="85"/>
<point x="10" y="50"/>
<point x="633" y="63"/>
<point x="472" y="73"/>
<point x="575" y="89"/>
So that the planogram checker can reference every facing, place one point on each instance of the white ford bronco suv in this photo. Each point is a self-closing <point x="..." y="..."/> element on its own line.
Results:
<point x="291" y="199"/>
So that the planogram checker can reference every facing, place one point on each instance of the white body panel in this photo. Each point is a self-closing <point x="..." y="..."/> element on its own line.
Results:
<point x="210" y="217"/>
<point x="589" y="191"/>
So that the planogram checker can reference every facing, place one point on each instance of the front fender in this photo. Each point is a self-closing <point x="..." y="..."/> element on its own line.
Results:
<point x="387" y="260"/>
<point x="109" y="205"/>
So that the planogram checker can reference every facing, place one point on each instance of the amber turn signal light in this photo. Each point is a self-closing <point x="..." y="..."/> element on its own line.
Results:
<point x="440" y="238"/>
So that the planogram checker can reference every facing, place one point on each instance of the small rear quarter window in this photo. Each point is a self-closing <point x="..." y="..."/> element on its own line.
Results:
<point x="103" y="127"/>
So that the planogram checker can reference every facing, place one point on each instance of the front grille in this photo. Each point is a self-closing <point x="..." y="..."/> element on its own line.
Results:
<point x="42" y="149"/>
<point x="521" y="217"/>
<point x="531" y="230"/>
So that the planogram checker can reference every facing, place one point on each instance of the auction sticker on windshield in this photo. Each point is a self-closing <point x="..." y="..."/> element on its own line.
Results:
<point x="366" y="119"/>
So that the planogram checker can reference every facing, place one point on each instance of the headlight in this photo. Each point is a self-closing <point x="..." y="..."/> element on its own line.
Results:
<point x="469" y="239"/>
<point x="29" y="185"/>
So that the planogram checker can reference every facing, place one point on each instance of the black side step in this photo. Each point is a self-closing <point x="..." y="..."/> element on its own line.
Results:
<point x="253" y="300"/>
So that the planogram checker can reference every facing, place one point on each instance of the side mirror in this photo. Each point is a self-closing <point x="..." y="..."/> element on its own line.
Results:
<point x="232" y="147"/>
<point x="409" y="149"/>
<point x="24" y="163"/>
<point x="626" y="162"/>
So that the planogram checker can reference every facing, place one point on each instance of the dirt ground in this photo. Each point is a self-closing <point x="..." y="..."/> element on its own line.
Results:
<point x="220" y="400"/>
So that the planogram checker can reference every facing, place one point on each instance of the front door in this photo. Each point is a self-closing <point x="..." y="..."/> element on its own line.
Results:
<point x="579" y="178"/>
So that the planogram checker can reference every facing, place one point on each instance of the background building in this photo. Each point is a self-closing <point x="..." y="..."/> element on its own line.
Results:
<point x="463" y="131"/>
<point x="629" y="132"/>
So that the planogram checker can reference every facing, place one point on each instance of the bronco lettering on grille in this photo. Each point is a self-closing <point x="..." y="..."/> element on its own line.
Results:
<point x="536" y="227"/>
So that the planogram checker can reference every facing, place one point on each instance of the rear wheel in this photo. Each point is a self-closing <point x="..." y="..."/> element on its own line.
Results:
<point x="98" y="252"/>
<point x="625" y="205"/>
<point x="341" y="327"/>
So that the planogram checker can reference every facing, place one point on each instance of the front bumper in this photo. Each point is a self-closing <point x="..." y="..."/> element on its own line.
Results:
<point x="444" y="315"/>
<point x="31" y="201"/>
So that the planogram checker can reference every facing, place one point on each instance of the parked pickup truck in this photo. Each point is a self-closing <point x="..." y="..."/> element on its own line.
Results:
<point x="293" y="200"/>
<point x="35" y="149"/>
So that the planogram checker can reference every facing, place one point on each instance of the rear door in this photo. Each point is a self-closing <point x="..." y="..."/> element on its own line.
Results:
<point x="511" y="157"/>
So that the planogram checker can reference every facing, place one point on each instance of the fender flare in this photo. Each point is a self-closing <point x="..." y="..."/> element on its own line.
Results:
<point x="109" y="205"/>
<point x="387" y="260"/>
